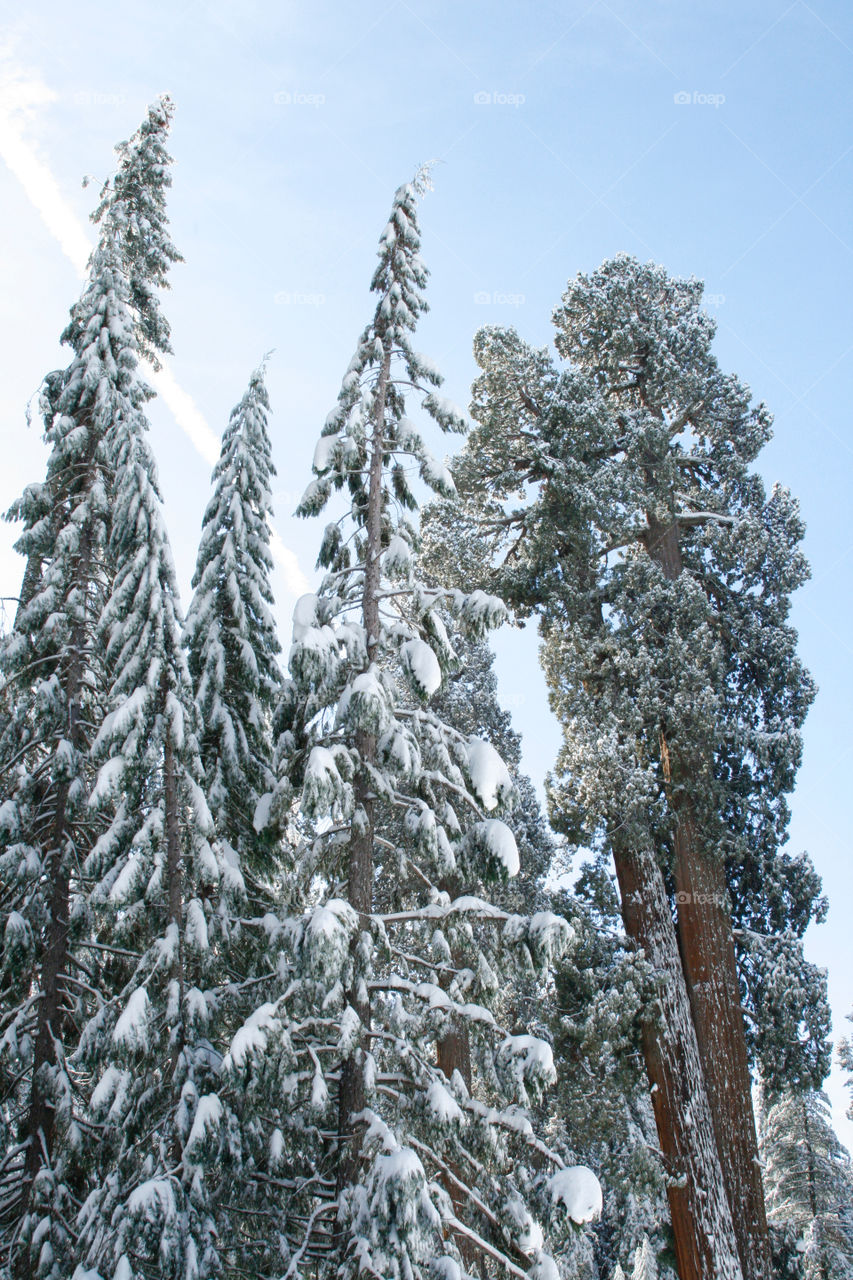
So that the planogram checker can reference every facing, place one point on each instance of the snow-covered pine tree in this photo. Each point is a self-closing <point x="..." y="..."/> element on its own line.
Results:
<point x="165" y="896"/>
<point x="809" y="1183"/>
<point x="51" y="696"/>
<point x="132" y="212"/>
<point x="131" y="215"/>
<point x="52" y="707"/>
<point x="398" y="1168"/>
<point x="645" y="1264"/>
<point x="598" y="1111"/>
<point x="230" y="632"/>
<point x="602" y="988"/>
<point x="845" y="1060"/>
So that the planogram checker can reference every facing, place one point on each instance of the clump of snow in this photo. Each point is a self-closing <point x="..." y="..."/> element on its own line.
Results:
<point x="529" y="1058"/>
<point x="499" y="843"/>
<point x="421" y="664"/>
<point x="195" y="933"/>
<point x="397" y="556"/>
<point x="442" y="1104"/>
<point x="207" y="1119"/>
<point x="261" y="815"/>
<point x="153" y="1200"/>
<point x="324" y="450"/>
<point x="252" y="1037"/>
<point x="131" y="1030"/>
<point x="578" y="1189"/>
<point x="489" y="775"/>
<point x="304" y="615"/>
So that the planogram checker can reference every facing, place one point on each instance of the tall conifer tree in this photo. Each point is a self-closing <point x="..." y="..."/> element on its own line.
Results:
<point x="400" y="1169"/>
<point x="230" y="633"/>
<point x="53" y="706"/>
<point x="662" y="574"/>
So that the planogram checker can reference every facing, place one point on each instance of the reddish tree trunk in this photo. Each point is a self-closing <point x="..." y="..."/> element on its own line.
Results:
<point x="710" y="968"/>
<point x="705" y="1242"/>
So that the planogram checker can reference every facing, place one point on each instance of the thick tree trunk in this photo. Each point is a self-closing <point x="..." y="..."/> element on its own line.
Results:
<point x="705" y="1242"/>
<point x="351" y="1096"/>
<point x="710" y="968"/>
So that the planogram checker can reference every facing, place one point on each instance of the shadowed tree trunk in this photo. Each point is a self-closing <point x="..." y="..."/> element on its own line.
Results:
<point x="710" y="968"/>
<point x="705" y="1243"/>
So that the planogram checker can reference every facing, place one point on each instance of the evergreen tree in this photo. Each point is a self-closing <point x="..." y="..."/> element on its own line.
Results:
<point x="230" y="633"/>
<point x="165" y="896"/>
<point x="393" y="1167"/>
<point x="513" y="454"/>
<point x="845" y="1059"/>
<point x="809" y="1182"/>
<point x="131" y="216"/>
<point x="590" y="1011"/>
<point x="52" y="708"/>
<point x="645" y="1265"/>
<point x="662" y="574"/>
<point x="132" y="211"/>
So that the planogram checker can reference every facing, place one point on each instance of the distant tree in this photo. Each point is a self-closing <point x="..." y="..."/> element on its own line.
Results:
<point x="809" y="1181"/>
<point x="230" y="633"/>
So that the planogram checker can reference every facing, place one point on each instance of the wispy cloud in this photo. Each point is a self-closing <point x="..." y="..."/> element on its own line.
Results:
<point x="22" y="96"/>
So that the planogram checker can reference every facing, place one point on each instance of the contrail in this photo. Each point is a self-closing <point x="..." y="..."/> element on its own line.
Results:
<point x="62" y="222"/>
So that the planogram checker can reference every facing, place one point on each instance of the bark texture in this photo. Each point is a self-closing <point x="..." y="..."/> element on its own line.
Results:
<point x="705" y="1241"/>
<point x="710" y="969"/>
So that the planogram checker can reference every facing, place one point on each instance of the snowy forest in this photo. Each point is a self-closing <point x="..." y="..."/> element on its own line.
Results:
<point x="299" y="978"/>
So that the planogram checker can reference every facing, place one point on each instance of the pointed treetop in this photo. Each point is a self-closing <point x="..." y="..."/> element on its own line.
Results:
<point x="132" y="210"/>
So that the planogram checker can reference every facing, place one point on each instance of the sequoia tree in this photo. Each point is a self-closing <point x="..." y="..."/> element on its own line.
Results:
<point x="619" y="491"/>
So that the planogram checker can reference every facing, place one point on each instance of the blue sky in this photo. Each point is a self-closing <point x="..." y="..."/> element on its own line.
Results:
<point x="714" y="138"/>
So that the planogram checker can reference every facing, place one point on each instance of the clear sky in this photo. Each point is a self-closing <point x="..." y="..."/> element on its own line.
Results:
<point x="711" y="137"/>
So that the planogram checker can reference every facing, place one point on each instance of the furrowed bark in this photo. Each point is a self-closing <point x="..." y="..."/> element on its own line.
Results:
<point x="710" y="969"/>
<point x="705" y="1241"/>
<point x="351" y="1096"/>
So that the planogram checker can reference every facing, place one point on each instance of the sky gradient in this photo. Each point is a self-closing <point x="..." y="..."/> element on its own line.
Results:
<point x="713" y="138"/>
